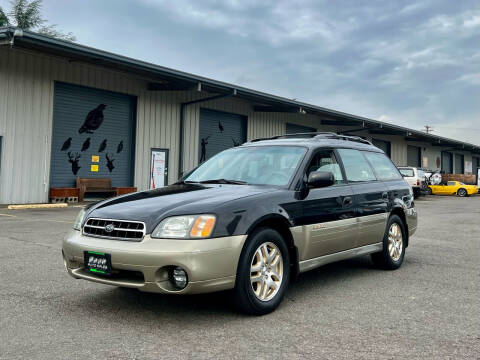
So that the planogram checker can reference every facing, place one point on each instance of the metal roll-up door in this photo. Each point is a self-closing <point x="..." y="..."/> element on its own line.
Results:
<point x="220" y="131"/>
<point x="459" y="164"/>
<point x="447" y="163"/>
<point x="386" y="146"/>
<point x="93" y="136"/>
<point x="298" y="129"/>
<point x="413" y="156"/>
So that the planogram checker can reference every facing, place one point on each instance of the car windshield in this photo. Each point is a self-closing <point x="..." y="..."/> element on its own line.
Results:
<point x="259" y="165"/>
<point x="407" y="172"/>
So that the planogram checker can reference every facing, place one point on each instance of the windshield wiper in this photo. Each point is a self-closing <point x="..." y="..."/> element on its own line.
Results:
<point x="223" y="181"/>
<point x="183" y="182"/>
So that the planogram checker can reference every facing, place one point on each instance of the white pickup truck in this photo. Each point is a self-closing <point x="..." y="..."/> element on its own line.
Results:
<point x="415" y="177"/>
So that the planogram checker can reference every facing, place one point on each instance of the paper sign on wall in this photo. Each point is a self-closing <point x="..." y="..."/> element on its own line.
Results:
<point x="94" y="168"/>
<point x="468" y="167"/>
<point x="158" y="169"/>
<point x="95" y="158"/>
<point x="425" y="162"/>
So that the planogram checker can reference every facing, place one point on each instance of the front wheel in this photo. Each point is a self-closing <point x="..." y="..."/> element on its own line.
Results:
<point x="462" y="192"/>
<point x="393" y="252"/>
<point x="263" y="273"/>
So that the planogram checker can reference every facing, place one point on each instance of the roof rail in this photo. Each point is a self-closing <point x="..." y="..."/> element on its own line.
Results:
<point x="317" y="135"/>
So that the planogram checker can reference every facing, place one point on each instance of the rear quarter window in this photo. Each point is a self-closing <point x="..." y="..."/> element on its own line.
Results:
<point x="383" y="166"/>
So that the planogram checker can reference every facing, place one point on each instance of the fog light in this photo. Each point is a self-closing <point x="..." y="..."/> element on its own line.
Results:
<point x="178" y="277"/>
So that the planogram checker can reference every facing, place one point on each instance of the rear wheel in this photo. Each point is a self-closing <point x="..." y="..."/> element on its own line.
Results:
<point x="263" y="273"/>
<point x="462" y="192"/>
<point x="393" y="252"/>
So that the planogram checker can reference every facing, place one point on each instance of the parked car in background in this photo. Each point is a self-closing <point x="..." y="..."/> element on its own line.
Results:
<point x="415" y="177"/>
<point x="453" y="188"/>
<point x="250" y="219"/>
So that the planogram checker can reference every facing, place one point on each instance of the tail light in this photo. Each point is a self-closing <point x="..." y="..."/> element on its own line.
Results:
<point x="418" y="182"/>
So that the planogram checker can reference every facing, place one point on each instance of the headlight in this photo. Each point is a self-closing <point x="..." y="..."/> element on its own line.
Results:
<point x="77" y="225"/>
<point x="185" y="227"/>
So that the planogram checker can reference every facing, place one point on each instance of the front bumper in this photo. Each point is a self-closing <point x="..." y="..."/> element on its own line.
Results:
<point x="211" y="264"/>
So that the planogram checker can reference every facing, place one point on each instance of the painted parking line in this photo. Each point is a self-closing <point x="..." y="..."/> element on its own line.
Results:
<point x="29" y="219"/>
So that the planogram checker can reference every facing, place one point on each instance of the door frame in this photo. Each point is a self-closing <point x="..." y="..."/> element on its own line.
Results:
<point x="167" y="154"/>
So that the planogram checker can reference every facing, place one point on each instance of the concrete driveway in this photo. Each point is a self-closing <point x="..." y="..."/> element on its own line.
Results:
<point x="427" y="309"/>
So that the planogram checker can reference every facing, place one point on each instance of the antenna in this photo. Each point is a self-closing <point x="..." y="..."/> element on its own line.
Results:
<point x="428" y="129"/>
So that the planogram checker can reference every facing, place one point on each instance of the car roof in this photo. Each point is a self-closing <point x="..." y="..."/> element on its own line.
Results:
<point x="316" y="140"/>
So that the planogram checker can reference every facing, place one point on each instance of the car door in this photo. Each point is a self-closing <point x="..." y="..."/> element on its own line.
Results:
<point x="328" y="214"/>
<point x="370" y="196"/>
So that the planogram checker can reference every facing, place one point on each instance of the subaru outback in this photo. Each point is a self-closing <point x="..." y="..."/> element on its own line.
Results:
<point x="250" y="219"/>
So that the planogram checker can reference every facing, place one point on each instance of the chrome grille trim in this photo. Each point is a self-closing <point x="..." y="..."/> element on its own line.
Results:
<point x="126" y="230"/>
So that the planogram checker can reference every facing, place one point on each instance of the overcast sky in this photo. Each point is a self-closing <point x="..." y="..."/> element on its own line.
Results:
<point x="410" y="63"/>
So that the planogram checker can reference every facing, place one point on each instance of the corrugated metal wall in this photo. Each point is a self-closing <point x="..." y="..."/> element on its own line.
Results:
<point x="26" y="105"/>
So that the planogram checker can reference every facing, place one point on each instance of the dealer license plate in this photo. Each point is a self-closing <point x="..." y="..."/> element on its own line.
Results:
<point x="97" y="262"/>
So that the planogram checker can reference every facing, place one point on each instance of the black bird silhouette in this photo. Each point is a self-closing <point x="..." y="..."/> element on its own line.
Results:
<point x="93" y="120"/>
<point x="220" y="126"/>
<point x="103" y="145"/>
<point x="120" y="147"/>
<point x="86" y="144"/>
<point x="66" y="145"/>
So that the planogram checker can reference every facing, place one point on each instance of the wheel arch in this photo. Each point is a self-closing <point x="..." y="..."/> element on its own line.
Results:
<point x="282" y="226"/>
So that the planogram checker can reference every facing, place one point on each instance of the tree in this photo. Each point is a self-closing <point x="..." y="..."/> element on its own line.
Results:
<point x="27" y="15"/>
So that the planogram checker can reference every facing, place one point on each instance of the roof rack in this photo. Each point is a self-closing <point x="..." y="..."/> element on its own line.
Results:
<point x="317" y="135"/>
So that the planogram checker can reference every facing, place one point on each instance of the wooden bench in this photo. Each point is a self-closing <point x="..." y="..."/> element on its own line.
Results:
<point x="94" y="185"/>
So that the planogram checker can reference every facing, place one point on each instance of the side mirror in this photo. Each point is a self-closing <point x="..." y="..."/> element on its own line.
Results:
<point x="319" y="179"/>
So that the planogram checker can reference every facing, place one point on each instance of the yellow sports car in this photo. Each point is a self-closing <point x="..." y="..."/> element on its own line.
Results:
<point x="453" y="188"/>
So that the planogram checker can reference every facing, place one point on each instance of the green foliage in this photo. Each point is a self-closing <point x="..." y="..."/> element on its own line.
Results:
<point x="26" y="14"/>
<point x="3" y="18"/>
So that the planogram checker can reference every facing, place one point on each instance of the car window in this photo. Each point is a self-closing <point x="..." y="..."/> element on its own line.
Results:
<point x="451" y="183"/>
<point x="407" y="172"/>
<point x="460" y="183"/>
<point x="259" y="165"/>
<point x="382" y="166"/>
<point x="356" y="166"/>
<point x="325" y="161"/>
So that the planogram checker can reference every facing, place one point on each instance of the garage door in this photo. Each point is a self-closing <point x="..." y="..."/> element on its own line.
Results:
<point x="447" y="163"/>
<point x="220" y="131"/>
<point x="459" y="164"/>
<point x="413" y="156"/>
<point x="93" y="136"/>
<point x="298" y="129"/>
<point x="386" y="146"/>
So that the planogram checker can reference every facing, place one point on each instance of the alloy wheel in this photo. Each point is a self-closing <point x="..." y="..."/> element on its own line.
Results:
<point x="266" y="271"/>
<point x="395" y="241"/>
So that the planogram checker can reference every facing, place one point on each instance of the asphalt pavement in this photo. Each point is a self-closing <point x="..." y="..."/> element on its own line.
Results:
<point x="428" y="309"/>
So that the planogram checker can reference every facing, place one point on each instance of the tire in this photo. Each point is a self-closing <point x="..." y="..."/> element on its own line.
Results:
<point x="462" y="192"/>
<point x="429" y="191"/>
<point x="390" y="258"/>
<point x="261" y="297"/>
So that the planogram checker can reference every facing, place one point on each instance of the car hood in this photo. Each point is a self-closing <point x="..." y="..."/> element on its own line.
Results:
<point x="182" y="199"/>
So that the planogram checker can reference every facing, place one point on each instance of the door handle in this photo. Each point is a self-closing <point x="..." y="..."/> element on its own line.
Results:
<point x="385" y="195"/>
<point x="347" y="201"/>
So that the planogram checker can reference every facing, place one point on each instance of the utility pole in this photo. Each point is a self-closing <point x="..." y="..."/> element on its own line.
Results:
<point x="428" y="129"/>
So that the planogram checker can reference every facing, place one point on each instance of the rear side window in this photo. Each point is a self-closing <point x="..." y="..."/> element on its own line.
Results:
<point x="356" y="166"/>
<point x="382" y="166"/>
<point x="407" y="172"/>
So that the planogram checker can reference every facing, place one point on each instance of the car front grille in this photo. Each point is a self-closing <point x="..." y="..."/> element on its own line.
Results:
<point x="114" y="229"/>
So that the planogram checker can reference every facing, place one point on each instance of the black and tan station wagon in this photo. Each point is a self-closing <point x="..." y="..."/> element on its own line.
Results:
<point x="250" y="219"/>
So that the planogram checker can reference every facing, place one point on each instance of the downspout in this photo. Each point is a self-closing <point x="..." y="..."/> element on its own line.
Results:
<point x="8" y="37"/>
<point x="183" y="107"/>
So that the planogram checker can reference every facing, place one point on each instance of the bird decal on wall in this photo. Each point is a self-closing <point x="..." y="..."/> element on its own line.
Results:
<point x="86" y="145"/>
<point x="93" y="120"/>
<point x="103" y="145"/>
<point x="66" y="145"/>
<point x="110" y="161"/>
<point x="73" y="159"/>
<point x="220" y="126"/>
<point x="120" y="147"/>
<point x="235" y="142"/>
